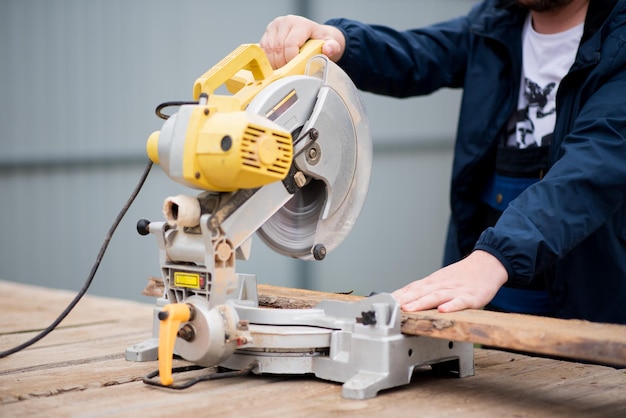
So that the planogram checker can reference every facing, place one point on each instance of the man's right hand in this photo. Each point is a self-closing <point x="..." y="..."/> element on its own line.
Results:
<point x="285" y="35"/>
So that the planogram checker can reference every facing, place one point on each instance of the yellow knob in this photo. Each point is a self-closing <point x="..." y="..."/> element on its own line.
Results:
<point x="152" y="147"/>
<point x="267" y="150"/>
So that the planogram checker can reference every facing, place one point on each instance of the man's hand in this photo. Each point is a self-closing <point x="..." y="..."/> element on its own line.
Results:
<point x="469" y="283"/>
<point x="285" y="35"/>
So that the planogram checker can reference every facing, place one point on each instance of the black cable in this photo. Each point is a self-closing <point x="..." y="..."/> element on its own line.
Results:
<point x="163" y="105"/>
<point x="148" y="379"/>
<point x="96" y="264"/>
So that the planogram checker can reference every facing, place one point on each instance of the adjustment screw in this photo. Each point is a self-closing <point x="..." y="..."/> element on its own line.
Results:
<point x="367" y="318"/>
<point x="319" y="251"/>
<point x="313" y="154"/>
<point x="143" y="226"/>
<point x="314" y="134"/>
<point x="186" y="333"/>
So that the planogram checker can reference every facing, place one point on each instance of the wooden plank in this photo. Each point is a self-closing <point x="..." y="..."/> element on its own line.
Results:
<point x="572" y="339"/>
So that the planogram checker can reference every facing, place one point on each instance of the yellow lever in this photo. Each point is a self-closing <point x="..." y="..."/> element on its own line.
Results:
<point x="171" y="317"/>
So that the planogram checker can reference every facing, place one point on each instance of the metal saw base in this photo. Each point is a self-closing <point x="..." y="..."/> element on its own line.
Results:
<point x="357" y="343"/>
<point x="369" y="367"/>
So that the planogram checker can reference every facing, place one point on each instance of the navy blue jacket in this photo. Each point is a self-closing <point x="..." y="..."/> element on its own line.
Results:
<point x="572" y="223"/>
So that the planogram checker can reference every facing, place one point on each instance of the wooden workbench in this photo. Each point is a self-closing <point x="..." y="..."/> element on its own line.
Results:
<point x="80" y="370"/>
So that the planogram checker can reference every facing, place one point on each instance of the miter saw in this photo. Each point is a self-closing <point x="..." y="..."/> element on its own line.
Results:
<point x="285" y="153"/>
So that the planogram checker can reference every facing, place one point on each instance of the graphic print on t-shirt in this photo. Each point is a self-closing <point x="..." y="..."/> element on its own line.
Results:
<point x="546" y="59"/>
<point x="540" y="104"/>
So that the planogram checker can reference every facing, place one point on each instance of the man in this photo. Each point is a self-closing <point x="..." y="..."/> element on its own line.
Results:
<point x="538" y="191"/>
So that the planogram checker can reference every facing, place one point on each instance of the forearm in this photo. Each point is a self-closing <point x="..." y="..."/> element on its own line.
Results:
<point x="385" y="61"/>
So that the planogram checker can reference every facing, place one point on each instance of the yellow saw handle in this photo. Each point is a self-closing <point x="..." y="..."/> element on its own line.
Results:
<point x="247" y="57"/>
<point x="171" y="317"/>
<point x="252" y="58"/>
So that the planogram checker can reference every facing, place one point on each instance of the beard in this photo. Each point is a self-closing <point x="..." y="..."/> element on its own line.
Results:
<point x="543" y="5"/>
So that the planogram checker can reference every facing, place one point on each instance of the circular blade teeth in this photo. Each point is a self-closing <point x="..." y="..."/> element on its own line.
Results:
<point x="291" y="230"/>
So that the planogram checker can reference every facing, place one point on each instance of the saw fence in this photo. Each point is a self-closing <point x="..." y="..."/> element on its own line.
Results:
<point x="570" y="339"/>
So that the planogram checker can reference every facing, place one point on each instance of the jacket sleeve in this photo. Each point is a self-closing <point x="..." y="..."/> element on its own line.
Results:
<point x="582" y="191"/>
<point x="395" y="63"/>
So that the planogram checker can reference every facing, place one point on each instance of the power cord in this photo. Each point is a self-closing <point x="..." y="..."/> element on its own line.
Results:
<point x="94" y="268"/>
<point x="159" y="108"/>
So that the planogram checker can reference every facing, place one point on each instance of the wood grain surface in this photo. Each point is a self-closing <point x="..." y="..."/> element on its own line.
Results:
<point x="79" y="370"/>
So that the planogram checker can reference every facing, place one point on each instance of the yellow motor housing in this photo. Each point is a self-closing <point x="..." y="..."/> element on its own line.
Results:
<point x="237" y="150"/>
<point x="217" y="145"/>
<point x="228" y="151"/>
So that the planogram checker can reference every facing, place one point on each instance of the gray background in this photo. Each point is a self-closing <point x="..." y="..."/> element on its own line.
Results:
<point x="79" y="81"/>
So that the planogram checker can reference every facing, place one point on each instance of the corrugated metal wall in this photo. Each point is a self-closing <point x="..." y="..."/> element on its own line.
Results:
<point x="78" y="84"/>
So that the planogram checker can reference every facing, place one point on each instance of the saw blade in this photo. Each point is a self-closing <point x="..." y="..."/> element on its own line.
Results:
<point x="291" y="230"/>
<point x="324" y="210"/>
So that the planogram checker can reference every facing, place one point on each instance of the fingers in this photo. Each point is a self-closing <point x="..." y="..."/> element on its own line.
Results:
<point x="459" y="303"/>
<point x="446" y="300"/>
<point x="430" y="301"/>
<point x="419" y="295"/>
<point x="285" y="35"/>
<point x="422" y="295"/>
<point x="283" y="38"/>
<point x="412" y="292"/>
<point x="469" y="283"/>
<point x="333" y="49"/>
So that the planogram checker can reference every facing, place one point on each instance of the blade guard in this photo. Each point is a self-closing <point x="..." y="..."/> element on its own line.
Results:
<point x="171" y="317"/>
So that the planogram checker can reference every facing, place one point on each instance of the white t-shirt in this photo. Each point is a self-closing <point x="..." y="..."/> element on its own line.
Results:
<point x="546" y="60"/>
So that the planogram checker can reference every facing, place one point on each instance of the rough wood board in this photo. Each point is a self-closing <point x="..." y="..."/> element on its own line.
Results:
<point x="573" y="339"/>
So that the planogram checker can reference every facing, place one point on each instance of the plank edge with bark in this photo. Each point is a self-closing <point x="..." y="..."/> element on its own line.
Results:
<point x="564" y="338"/>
